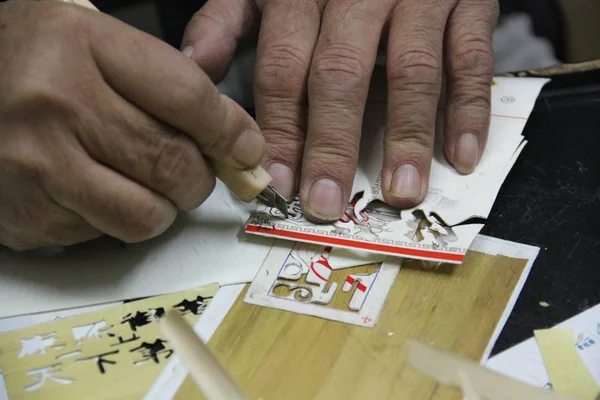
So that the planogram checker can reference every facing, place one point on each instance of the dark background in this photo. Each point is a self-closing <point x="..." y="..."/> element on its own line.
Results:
<point x="551" y="199"/>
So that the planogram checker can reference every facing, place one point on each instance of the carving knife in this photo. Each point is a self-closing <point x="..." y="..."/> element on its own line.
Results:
<point x="246" y="185"/>
<point x="252" y="184"/>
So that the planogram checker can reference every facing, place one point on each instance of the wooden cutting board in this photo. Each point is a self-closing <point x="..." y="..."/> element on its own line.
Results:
<point x="274" y="354"/>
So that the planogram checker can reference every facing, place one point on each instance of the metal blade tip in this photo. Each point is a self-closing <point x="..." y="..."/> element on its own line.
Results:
<point x="270" y="197"/>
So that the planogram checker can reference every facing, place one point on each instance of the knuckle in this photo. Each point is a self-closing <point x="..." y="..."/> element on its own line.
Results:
<point x="39" y="96"/>
<point x="284" y="144"/>
<point x="332" y="148"/>
<point x="203" y="16"/>
<point x="22" y="159"/>
<point x="418" y="67"/>
<point x="281" y="72"/>
<point x="473" y="58"/>
<point x="413" y="140"/>
<point x="146" y="223"/>
<point x="175" y="163"/>
<point x="339" y="69"/>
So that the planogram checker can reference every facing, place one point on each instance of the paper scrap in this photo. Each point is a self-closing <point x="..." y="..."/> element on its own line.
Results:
<point x="305" y="279"/>
<point x="524" y="361"/>
<point x="568" y="374"/>
<point x="434" y="230"/>
<point x="114" y="352"/>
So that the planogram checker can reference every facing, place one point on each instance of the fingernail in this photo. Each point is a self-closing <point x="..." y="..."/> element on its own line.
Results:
<point x="325" y="200"/>
<point x="249" y="148"/>
<point x="466" y="153"/>
<point x="406" y="182"/>
<point x="283" y="179"/>
<point x="188" y="51"/>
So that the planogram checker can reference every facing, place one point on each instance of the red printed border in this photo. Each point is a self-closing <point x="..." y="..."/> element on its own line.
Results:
<point x="354" y="244"/>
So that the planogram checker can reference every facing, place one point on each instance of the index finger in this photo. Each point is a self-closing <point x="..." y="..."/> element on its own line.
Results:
<point x="168" y="85"/>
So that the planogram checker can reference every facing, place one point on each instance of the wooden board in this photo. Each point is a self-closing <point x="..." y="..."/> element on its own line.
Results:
<point x="273" y="354"/>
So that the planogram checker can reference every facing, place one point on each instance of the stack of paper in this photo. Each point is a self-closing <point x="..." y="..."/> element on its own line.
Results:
<point x="434" y="230"/>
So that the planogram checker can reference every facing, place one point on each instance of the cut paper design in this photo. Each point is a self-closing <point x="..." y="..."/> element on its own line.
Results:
<point x="379" y="229"/>
<point x="41" y="375"/>
<point x="437" y="229"/>
<point x="325" y="282"/>
<point x="38" y="345"/>
<point x="90" y="332"/>
<point x="73" y="358"/>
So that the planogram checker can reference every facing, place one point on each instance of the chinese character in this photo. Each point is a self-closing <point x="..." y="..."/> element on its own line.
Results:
<point x="121" y="340"/>
<point x="100" y="360"/>
<point x="41" y="375"/>
<point x="157" y="312"/>
<point x="138" y="320"/>
<point x="91" y="331"/>
<point x="38" y="345"/>
<point x="150" y="351"/>
<point x="195" y="307"/>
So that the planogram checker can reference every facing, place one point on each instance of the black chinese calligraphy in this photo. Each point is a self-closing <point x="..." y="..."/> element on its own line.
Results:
<point x="140" y="319"/>
<point x="100" y="360"/>
<point x="151" y="351"/>
<point x="195" y="307"/>
<point x="121" y="341"/>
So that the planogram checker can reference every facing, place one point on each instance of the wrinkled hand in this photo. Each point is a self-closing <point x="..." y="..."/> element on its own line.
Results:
<point x="314" y="62"/>
<point x="104" y="129"/>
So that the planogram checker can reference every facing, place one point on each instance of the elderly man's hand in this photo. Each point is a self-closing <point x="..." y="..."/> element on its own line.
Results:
<point x="314" y="62"/>
<point x="104" y="129"/>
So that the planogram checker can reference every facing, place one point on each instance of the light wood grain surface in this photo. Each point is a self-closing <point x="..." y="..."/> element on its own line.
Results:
<point x="273" y="354"/>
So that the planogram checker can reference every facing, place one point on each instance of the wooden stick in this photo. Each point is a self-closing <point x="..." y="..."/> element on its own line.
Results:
<point x="450" y="369"/>
<point x="204" y="369"/>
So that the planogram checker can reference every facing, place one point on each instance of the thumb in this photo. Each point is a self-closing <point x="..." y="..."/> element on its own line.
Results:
<point x="212" y="36"/>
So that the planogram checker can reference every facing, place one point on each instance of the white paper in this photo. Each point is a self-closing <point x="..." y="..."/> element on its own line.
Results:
<point x="205" y="246"/>
<point x="525" y="363"/>
<point x="452" y="197"/>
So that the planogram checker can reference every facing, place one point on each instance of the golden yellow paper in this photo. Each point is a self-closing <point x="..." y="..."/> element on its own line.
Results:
<point x="115" y="353"/>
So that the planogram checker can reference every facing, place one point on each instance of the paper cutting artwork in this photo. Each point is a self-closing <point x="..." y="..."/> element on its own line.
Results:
<point x="331" y="283"/>
<point x="112" y="353"/>
<point x="377" y="229"/>
<point x="441" y="228"/>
